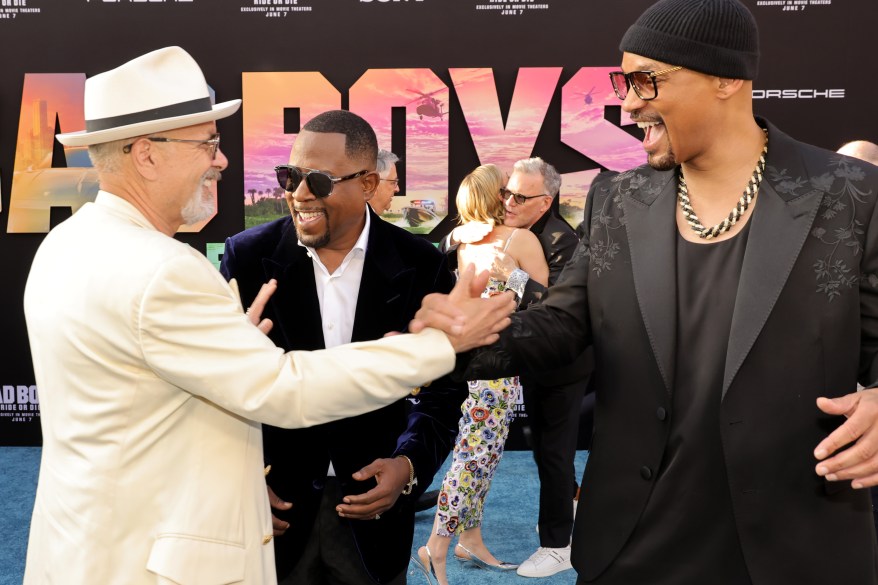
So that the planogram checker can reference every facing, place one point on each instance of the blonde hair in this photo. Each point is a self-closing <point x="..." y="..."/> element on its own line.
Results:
<point x="478" y="198"/>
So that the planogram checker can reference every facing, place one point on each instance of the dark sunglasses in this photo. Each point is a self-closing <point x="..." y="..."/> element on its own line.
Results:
<point x="643" y="83"/>
<point x="518" y="197"/>
<point x="320" y="183"/>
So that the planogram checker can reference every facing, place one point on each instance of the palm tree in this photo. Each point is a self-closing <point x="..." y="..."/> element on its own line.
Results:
<point x="278" y="193"/>
<point x="252" y="193"/>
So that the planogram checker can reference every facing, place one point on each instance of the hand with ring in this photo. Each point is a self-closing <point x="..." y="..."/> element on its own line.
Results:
<point x="390" y="475"/>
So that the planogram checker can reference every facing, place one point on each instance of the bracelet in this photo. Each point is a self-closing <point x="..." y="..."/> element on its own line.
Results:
<point x="517" y="280"/>
<point x="413" y="481"/>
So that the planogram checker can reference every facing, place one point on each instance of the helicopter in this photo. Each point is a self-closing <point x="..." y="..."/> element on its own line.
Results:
<point x="429" y="106"/>
<point x="587" y="96"/>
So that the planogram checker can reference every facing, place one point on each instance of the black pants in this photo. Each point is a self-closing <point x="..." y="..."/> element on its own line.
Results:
<point x="553" y="414"/>
<point x="331" y="557"/>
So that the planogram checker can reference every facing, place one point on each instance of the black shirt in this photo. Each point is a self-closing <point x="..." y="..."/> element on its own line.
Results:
<point x="687" y="533"/>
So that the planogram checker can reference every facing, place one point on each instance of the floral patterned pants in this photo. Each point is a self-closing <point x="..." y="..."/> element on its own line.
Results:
<point x="483" y="429"/>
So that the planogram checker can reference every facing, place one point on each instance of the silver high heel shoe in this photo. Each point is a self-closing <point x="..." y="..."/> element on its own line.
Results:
<point x="419" y="569"/>
<point x="471" y="557"/>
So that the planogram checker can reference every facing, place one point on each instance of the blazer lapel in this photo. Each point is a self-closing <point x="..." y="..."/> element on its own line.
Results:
<point x="652" y="235"/>
<point x="780" y="224"/>
<point x="298" y="324"/>
<point x="385" y="287"/>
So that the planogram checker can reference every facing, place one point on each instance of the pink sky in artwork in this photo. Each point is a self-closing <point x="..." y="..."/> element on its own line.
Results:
<point x="584" y="128"/>
<point x="496" y="141"/>
<point x="265" y="96"/>
<point x="425" y="98"/>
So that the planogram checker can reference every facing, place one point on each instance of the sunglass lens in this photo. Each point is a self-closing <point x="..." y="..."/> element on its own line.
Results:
<point x="620" y="84"/>
<point x="643" y="84"/>
<point x="319" y="184"/>
<point x="288" y="178"/>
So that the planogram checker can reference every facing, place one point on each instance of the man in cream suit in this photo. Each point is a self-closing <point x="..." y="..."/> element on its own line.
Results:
<point x="153" y="381"/>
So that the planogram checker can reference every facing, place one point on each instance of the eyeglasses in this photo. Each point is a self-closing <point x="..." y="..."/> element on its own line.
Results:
<point x="643" y="82"/>
<point x="320" y="183"/>
<point x="394" y="181"/>
<point x="212" y="143"/>
<point x="518" y="197"/>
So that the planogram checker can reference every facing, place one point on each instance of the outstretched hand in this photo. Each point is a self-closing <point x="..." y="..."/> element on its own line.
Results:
<point x="468" y="320"/>
<point x="850" y="452"/>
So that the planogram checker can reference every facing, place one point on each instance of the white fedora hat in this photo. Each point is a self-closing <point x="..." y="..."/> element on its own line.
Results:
<point x="162" y="90"/>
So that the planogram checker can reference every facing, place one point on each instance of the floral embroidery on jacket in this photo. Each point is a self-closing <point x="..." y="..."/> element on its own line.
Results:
<point x="608" y="216"/>
<point x="836" y="225"/>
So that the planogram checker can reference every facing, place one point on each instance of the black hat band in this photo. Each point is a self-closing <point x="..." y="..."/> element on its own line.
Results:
<point x="195" y="106"/>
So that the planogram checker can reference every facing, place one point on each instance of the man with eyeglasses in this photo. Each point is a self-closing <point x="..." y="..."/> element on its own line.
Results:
<point x="344" y="275"/>
<point x="728" y="288"/>
<point x="388" y="184"/>
<point x="153" y="381"/>
<point x="553" y="398"/>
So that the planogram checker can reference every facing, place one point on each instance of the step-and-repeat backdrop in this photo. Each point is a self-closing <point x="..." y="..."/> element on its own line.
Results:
<point x="447" y="85"/>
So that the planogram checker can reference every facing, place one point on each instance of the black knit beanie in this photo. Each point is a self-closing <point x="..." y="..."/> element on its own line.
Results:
<point x="716" y="37"/>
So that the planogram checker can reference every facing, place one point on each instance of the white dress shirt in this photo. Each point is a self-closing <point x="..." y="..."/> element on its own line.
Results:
<point x="338" y="292"/>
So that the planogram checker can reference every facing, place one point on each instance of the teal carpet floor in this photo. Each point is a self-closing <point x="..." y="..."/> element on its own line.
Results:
<point x="509" y="523"/>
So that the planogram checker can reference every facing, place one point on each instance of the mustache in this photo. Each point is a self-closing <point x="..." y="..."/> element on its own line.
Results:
<point x="637" y="116"/>
<point x="212" y="175"/>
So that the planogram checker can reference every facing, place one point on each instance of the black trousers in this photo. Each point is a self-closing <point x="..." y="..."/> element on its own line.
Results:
<point x="331" y="557"/>
<point x="553" y="414"/>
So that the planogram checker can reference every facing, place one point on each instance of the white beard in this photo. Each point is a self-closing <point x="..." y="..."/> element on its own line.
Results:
<point x="202" y="204"/>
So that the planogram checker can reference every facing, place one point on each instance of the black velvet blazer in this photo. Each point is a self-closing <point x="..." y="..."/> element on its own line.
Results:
<point x="399" y="270"/>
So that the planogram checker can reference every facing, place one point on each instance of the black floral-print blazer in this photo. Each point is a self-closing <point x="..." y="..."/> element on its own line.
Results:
<point x="805" y="325"/>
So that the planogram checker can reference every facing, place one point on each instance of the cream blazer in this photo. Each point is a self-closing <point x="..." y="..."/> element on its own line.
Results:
<point x="153" y="385"/>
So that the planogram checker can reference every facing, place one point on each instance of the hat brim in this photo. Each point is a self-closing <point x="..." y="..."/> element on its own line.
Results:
<point x="85" y="138"/>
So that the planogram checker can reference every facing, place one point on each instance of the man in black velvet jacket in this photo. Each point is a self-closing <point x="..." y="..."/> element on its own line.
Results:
<point x="754" y="476"/>
<point x="343" y="274"/>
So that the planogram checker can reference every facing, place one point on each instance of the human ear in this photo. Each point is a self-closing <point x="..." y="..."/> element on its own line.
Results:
<point x="143" y="156"/>
<point x="370" y="184"/>
<point x="726" y="87"/>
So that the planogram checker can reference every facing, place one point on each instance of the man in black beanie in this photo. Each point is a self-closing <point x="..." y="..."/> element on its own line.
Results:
<point x="728" y="288"/>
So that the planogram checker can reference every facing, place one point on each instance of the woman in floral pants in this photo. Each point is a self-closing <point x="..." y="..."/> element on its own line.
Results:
<point x="488" y="411"/>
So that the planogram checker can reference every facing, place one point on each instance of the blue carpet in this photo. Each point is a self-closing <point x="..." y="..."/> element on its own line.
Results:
<point x="508" y="528"/>
<point x="509" y="525"/>
<point x="18" y="484"/>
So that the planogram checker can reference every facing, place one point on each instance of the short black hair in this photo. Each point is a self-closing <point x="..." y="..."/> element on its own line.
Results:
<point x="360" y="141"/>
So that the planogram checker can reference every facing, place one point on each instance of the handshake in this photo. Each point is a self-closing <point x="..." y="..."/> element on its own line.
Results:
<point x="468" y="320"/>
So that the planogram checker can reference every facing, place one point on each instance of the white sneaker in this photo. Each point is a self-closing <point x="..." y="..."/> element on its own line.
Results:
<point x="546" y="562"/>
